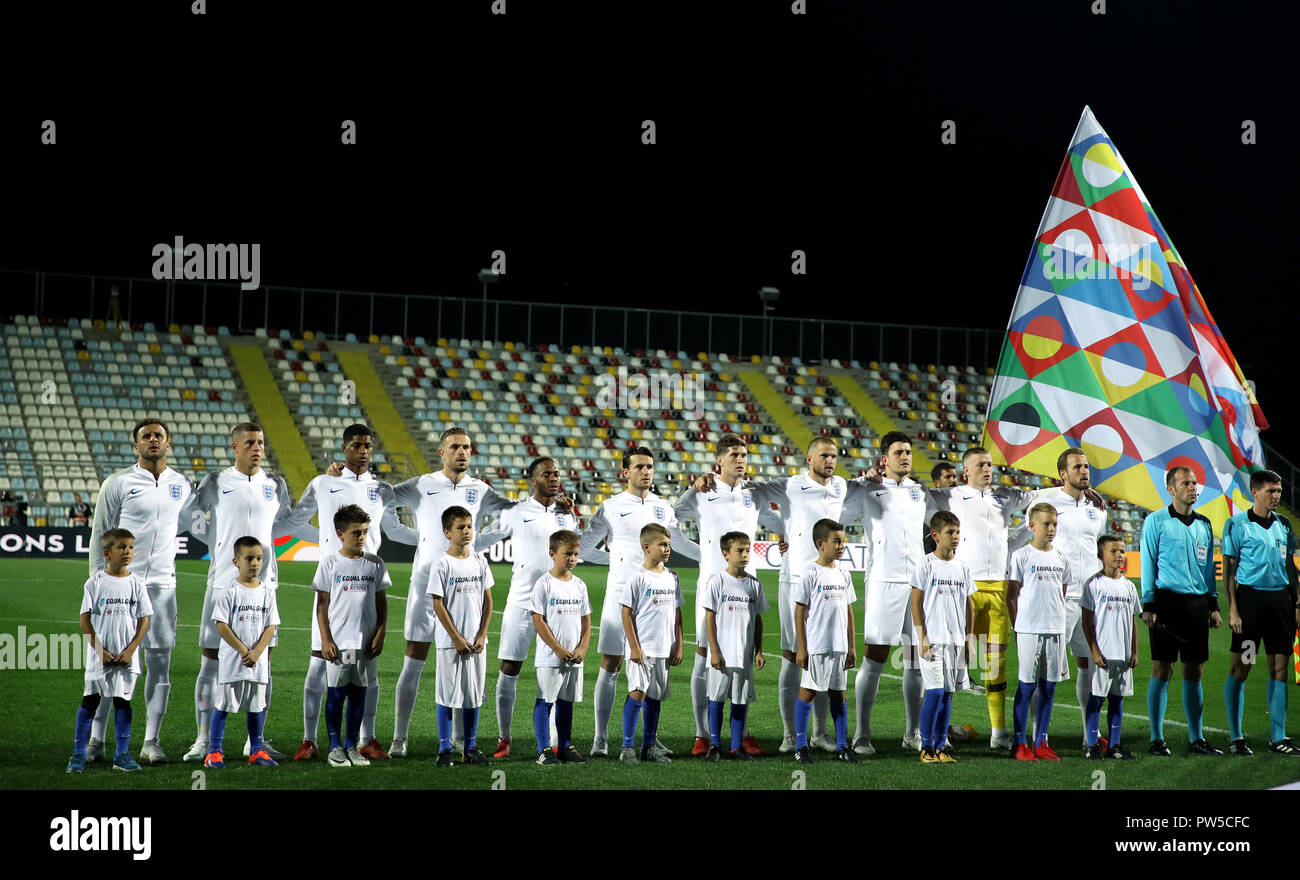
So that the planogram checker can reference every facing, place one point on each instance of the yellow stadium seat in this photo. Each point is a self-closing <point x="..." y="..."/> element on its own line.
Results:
<point x="309" y="334"/>
<point x="572" y="442"/>
<point x="476" y="395"/>
<point x="688" y="456"/>
<point x="725" y="377"/>
<point x="444" y="416"/>
<point x="173" y="328"/>
<point x="755" y="359"/>
<point x="155" y="348"/>
<point x="297" y="345"/>
<point x="553" y="399"/>
<point x="672" y="423"/>
<point x="480" y="364"/>
<point x="383" y="349"/>
<point x="602" y="433"/>
<point x="510" y="346"/>
<point x="517" y="377"/>
<point x="374" y="339"/>
<point x="401" y="360"/>
<point x="607" y="413"/>
<point x="711" y="446"/>
<point x="549" y="358"/>
<point x="187" y="394"/>
<point x="83" y="355"/>
<point x="569" y="422"/>
<point x="300" y="376"/>
<point x="98" y="324"/>
<point x="197" y="463"/>
<point x="513" y="418"/>
<point x="442" y="342"/>
<point x="314" y="357"/>
<point x="750" y="471"/>
<point x="453" y="373"/>
<point x="576" y="349"/>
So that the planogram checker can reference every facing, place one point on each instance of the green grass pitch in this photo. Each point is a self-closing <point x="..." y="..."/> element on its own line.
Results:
<point x="36" y="730"/>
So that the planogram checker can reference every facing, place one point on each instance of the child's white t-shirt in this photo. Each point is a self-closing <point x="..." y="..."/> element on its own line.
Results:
<point x="352" y="585"/>
<point x="1040" y="604"/>
<point x="829" y="595"/>
<point x="735" y="603"/>
<point x="946" y="584"/>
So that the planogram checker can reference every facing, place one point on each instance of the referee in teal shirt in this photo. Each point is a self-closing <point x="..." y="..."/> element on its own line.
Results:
<point x="1259" y="576"/>
<point x="1179" y="604"/>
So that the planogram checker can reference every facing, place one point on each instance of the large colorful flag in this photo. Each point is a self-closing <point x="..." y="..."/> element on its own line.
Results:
<point x="1111" y="348"/>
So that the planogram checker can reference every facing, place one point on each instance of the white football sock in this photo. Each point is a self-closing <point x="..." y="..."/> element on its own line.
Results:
<point x="369" y="711"/>
<point x="204" y="686"/>
<point x="700" y="695"/>
<point x="506" y="685"/>
<point x="821" y="707"/>
<point x="458" y="724"/>
<point x="1031" y="724"/>
<point x="99" y="727"/>
<point x="157" y="690"/>
<point x="865" y="688"/>
<point x="606" y="687"/>
<point x="313" y="692"/>
<point x="408" y="686"/>
<point x="1083" y="691"/>
<point x="787" y="686"/>
<point x="913" y="695"/>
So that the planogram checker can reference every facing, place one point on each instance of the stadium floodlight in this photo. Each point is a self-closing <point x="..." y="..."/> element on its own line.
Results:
<point x="486" y="277"/>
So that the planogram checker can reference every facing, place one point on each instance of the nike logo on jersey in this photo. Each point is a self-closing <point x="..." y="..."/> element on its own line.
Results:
<point x="881" y="492"/>
<point x="711" y="500"/>
<point x="226" y="491"/>
<point x="530" y="520"/>
<point x="132" y="492"/>
<point x="432" y="493"/>
<point x="804" y="488"/>
<point x="332" y="491"/>
<point x="629" y="513"/>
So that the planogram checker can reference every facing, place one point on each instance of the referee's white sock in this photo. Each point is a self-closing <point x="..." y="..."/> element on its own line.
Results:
<point x="700" y="695"/>
<point x="368" y="716"/>
<point x="157" y="690"/>
<point x="313" y="691"/>
<point x="1082" y="691"/>
<point x="913" y="695"/>
<point x="408" y="686"/>
<point x="821" y="706"/>
<point x="506" y="685"/>
<point x="204" y="686"/>
<point x="787" y="686"/>
<point x="864" y="689"/>
<point x="606" y="686"/>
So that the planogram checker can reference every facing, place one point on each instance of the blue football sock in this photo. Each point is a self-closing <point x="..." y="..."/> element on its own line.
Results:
<point x="1234" y="699"/>
<point x="1277" y="700"/>
<point x="1020" y="709"/>
<point x="216" y="730"/>
<point x="1157" y="700"/>
<point x="542" y="724"/>
<point x="738" y="716"/>
<point x="715" y="723"/>
<point x="1194" y="706"/>
<point x="470" y="714"/>
<point x="253" y="722"/>
<point x="1046" y="693"/>
<point x="801" y="712"/>
<point x="334" y="699"/>
<point x="1092" y="725"/>
<point x="444" y="728"/>
<point x="652" y="707"/>
<point x="942" y="721"/>
<point x="81" y="734"/>
<point x="840" y="716"/>
<point x="356" y="711"/>
<point x="122" y="728"/>
<point x="563" y="723"/>
<point x="929" y="712"/>
<point x="1115" y="717"/>
<point x="631" y="712"/>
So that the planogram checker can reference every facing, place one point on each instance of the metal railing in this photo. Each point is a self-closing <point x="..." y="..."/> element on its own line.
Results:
<point x="335" y="313"/>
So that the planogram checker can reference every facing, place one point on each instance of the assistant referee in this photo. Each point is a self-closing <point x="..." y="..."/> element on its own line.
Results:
<point x="1179" y="604"/>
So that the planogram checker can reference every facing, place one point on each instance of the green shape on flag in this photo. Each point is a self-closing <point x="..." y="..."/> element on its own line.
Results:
<point x="1158" y="403"/>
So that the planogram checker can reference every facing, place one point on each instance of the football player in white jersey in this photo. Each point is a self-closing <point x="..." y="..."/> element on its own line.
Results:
<point x="618" y="522"/>
<point x="324" y="496"/>
<point x="1081" y="519"/>
<point x="428" y="496"/>
<point x="531" y="524"/>
<point x="241" y="500"/>
<point x="804" y="499"/>
<point x="719" y="506"/>
<point x="146" y="499"/>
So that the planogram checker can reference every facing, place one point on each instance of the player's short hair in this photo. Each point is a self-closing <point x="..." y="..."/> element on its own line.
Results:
<point x="1063" y="460"/>
<point x="639" y="450"/>
<point x="1171" y="476"/>
<point x="973" y="450"/>
<point x="357" y="430"/>
<point x="246" y="541"/>
<point x="451" y="432"/>
<point x="820" y="439"/>
<point x="940" y="469"/>
<point x="727" y="441"/>
<point x="135" y="432"/>
<point x="1262" y="478"/>
<point x="650" y="531"/>
<point x="822" y="530"/>
<point x="349" y="514"/>
<point x="536" y="463"/>
<point x="563" y="538"/>
<point x="246" y="428"/>
<point x="942" y="519"/>
<point x="112" y="536"/>
<point x="1106" y="538"/>
<point x="730" y="538"/>
<point x="1040" y="507"/>
<point x="891" y="438"/>
<point x="453" y="513"/>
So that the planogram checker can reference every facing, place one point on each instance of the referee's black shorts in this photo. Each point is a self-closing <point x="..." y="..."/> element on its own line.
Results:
<point x="1182" y="630"/>
<point x="1267" y="620"/>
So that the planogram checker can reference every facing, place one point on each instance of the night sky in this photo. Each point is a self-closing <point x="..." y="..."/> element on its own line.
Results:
<point x="775" y="132"/>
